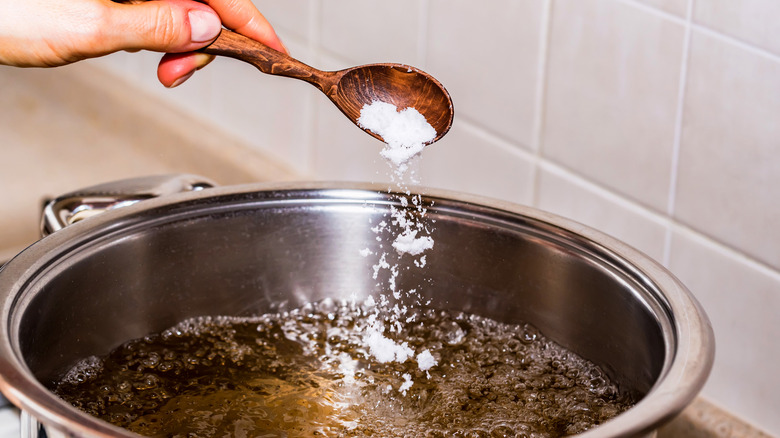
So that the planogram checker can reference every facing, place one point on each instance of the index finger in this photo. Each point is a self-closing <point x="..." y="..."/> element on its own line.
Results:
<point x="243" y="17"/>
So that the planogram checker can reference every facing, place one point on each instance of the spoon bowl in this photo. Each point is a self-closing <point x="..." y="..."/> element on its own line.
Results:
<point x="352" y="88"/>
<point x="401" y="85"/>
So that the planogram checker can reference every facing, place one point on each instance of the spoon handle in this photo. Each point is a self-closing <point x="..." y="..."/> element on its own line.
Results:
<point x="268" y="60"/>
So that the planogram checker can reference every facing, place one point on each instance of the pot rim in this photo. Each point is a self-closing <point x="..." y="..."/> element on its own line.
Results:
<point x="684" y="372"/>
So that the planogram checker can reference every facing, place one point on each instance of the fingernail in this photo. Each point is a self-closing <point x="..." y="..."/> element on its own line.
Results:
<point x="204" y="26"/>
<point x="181" y="80"/>
<point x="202" y="60"/>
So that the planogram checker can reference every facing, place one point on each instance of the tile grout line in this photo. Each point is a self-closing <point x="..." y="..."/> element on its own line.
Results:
<point x="539" y="101"/>
<point x="658" y="217"/>
<point x="477" y="129"/>
<point x="655" y="11"/>
<point x="604" y="191"/>
<point x="744" y="45"/>
<point x="311" y="105"/>
<point x="729" y="251"/>
<point x="422" y="33"/>
<point x="314" y="26"/>
<point x="688" y="21"/>
<point x="676" y="145"/>
<point x="690" y="28"/>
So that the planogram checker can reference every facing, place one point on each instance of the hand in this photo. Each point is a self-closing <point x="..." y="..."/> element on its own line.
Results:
<point x="48" y="33"/>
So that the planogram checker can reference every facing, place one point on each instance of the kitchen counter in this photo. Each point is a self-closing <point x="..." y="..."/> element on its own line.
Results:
<point x="76" y="128"/>
<point x="703" y="419"/>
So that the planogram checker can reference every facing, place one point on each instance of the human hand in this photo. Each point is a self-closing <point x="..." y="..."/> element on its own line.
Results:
<point x="48" y="33"/>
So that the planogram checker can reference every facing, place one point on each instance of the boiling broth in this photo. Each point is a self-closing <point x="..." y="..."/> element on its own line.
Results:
<point x="308" y="373"/>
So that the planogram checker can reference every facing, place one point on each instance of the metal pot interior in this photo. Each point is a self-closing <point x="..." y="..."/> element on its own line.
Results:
<point x="125" y="274"/>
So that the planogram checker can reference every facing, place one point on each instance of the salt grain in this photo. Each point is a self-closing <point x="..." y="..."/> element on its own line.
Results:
<point x="407" y="384"/>
<point x="384" y="349"/>
<point x="425" y="360"/>
<point x="408" y="243"/>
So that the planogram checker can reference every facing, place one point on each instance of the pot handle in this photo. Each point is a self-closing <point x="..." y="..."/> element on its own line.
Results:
<point x="72" y="207"/>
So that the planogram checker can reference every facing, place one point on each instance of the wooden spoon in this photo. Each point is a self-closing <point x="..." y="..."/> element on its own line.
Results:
<point x="352" y="88"/>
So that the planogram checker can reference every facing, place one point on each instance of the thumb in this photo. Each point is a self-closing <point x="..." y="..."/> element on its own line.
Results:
<point x="162" y="26"/>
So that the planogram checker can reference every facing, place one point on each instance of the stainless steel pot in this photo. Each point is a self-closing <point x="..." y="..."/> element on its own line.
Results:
<point x="253" y="249"/>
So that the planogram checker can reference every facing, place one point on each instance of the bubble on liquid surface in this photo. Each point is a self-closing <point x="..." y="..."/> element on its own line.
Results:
<point x="309" y="372"/>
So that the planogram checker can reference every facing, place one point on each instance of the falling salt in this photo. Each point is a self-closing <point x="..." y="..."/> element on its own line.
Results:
<point x="405" y="132"/>
<point x="407" y="384"/>
<point x="381" y="264"/>
<point x="347" y="367"/>
<point x="425" y="360"/>
<point x="384" y="349"/>
<point x="408" y="243"/>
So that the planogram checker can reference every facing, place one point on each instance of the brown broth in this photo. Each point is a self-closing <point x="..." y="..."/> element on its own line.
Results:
<point x="308" y="373"/>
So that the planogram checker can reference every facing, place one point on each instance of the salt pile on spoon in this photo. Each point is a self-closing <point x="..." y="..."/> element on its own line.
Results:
<point x="405" y="132"/>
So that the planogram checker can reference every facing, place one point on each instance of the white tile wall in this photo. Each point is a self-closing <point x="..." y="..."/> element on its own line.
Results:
<point x="251" y="101"/>
<point x="487" y="55"/>
<point x="742" y="299"/>
<point x="730" y="148"/>
<point x="571" y="196"/>
<point x="470" y="160"/>
<point x="753" y="21"/>
<point x="287" y="17"/>
<point x="367" y="31"/>
<point x="612" y="88"/>
<point x="677" y="7"/>
<point x="657" y="121"/>
<point x="342" y="151"/>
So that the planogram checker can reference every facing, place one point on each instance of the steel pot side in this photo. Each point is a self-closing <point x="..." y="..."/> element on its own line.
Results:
<point x="251" y="249"/>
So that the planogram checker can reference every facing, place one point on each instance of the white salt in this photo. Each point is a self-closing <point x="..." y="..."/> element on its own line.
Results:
<point x="379" y="228"/>
<point x="405" y="132"/>
<point x="425" y="360"/>
<point x="407" y="383"/>
<point x="347" y="367"/>
<point x="381" y="264"/>
<point x="408" y="243"/>
<point x="386" y="350"/>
